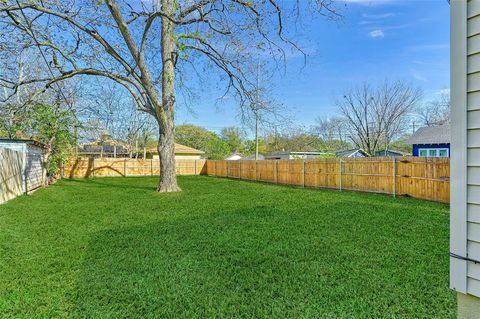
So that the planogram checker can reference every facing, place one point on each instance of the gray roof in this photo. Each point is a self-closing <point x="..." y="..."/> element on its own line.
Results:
<point x="348" y="153"/>
<point x="252" y="157"/>
<point x="431" y="135"/>
<point x="380" y="153"/>
<point x="22" y="141"/>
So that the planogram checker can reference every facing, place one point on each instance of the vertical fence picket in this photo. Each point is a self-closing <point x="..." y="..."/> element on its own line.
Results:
<point x="394" y="177"/>
<point x="341" y="175"/>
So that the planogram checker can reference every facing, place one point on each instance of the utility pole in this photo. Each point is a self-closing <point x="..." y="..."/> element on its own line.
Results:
<point x="256" y="135"/>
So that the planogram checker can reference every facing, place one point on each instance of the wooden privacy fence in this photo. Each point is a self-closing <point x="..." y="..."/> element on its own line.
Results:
<point x="420" y="177"/>
<point x="96" y="167"/>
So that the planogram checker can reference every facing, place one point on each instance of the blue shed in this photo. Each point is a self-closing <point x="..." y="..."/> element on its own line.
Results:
<point x="431" y="141"/>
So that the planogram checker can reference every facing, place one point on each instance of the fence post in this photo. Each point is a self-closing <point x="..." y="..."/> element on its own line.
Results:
<point x="195" y="163"/>
<point x="394" y="177"/>
<point x="276" y="171"/>
<point x="303" y="173"/>
<point x="256" y="170"/>
<point x="93" y="167"/>
<point x="125" y="168"/>
<point x="341" y="173"/>
<point x="151" y="167"/>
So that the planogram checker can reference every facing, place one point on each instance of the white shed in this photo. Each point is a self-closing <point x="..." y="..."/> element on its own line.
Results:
<point x="32" y="159"/>
<point x="465" y="156"/>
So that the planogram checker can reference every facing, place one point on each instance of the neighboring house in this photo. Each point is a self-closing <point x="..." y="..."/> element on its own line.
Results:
<point x="431" y="141"/>
<point x="357" y="152"/>
<point x="390" y="153"/>
<point x="294" y="155"/>
<point x="252" y="157"/>
<point x="234" y="157"/>
<point x="31" y="162"/>
<point x="181" y="152"/>
<point x="105" y="146"/>
<point x="465" y="157"/>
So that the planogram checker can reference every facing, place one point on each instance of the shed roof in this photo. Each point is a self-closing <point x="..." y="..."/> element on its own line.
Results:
<point x="23" y="141"/>
<point x="431" y="135"/>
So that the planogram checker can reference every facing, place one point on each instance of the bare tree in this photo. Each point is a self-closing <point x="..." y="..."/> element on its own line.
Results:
<point x="436" y="112"/>
<point x="375" y="116"/>
<point x="117" y="40"/>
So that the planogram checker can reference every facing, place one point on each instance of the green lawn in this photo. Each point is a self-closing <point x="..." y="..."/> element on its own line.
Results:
<point x="113" y="248"/>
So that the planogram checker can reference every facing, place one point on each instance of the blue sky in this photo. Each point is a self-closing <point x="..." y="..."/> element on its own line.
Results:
<point x="376" y="40"/>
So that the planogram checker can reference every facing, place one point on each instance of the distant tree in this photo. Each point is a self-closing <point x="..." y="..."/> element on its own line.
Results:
<point x="332" y="133"/>
<point x="234" y="138"/>
<point x="436" y="112"/>
<point x="53" y="126"/>
<point x="401" y="145"/>
<point x="376" y="116"/>
<point x="202" y="139"/>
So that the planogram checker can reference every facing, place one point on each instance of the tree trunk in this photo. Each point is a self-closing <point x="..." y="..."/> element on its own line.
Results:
<point x="166" y="143"/>
<point x="166" y="151"/>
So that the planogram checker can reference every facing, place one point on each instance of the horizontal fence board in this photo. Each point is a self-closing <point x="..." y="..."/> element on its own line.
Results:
<point x="420" y="177"/>
<point x="99" y="167"/>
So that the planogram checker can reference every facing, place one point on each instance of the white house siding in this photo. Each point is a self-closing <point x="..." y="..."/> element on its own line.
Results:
<point x="465" y="161"/>
<point x="473" y="146"/>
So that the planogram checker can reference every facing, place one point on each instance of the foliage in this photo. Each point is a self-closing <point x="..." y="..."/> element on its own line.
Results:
<point x="45" y="123"/>
<point x="202" y="139"/>
<point x="234" y="138"/>
<point x="222" y="248"/>
<point x="402" y="145"/>
<point x="53" y="127"/>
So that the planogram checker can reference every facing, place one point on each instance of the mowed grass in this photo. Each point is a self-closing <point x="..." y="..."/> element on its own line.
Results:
<point x="114" y="248"/>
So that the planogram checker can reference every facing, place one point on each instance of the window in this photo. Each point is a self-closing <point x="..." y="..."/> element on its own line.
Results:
<point x="443" y="153"/>
<point x="433" y="152"/>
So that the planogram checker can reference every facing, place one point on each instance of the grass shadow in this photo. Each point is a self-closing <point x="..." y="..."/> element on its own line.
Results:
<point x="263" y="262"/>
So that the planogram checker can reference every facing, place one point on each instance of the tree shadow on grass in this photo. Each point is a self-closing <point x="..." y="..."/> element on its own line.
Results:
<point x="260" y="263"/>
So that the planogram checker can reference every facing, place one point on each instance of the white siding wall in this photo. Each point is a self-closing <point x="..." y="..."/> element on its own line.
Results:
<point x="465" y="188"/>
<point x="473" y="146"/>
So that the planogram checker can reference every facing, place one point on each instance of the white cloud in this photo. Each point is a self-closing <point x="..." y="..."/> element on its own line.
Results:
<point x="378" y="16"/>
<point x="418" y="76"/>
<point x="376" y="34"/>
<point x="370" y="2"/>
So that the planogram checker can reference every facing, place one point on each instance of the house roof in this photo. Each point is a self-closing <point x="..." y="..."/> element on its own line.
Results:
<point x="399" y="153"/>
<point x="252" y="157"/>
<point x="296" y="153"/>
<point x="25" y="141"/>
<point x="179" y="149"/>
<point x="233" y="156"/>
<point x="431" y="135"/>
<point x="349" y="153"/>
